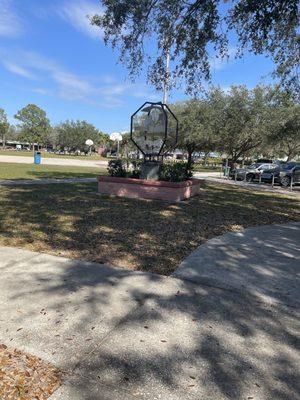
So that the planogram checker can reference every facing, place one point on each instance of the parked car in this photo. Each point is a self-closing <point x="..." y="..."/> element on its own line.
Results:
<point x="267" y="175"/>
<point x="291" y="170"/>
<point x="252" y="172"/>
<point x="283" y="174"/>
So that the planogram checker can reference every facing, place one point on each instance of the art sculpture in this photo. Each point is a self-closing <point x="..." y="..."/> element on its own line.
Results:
<point x="154" y="131"/>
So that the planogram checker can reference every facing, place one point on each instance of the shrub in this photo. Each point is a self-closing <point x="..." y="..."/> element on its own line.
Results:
<point x="171" y="172"/>
<point x="175" y="172"/>
<point x="117" y="168"/>
<point x="124" y="168"/>
<point x="135" y="170"/>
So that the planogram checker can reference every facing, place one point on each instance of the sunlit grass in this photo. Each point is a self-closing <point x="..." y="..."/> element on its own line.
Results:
<point x="32" y="171"/>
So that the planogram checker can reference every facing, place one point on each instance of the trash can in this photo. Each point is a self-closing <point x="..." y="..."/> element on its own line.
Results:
<point x="37" y="157"/>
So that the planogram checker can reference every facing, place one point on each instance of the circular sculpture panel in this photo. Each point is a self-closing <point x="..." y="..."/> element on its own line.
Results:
<point x="154" y="129"/>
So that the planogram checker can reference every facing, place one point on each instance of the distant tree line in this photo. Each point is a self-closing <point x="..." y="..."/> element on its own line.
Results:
<point x="34" y="128"/>
<point x="238" y="123"/>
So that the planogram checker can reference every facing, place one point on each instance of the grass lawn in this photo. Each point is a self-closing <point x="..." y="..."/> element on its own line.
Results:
<point x="207" y="168"/>
<point x="32" y="171"/>
<point x="49" y="155"/>
<point x="73" y="221"/>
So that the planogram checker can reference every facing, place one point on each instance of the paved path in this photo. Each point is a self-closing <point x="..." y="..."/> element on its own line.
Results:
<point x="121" y="334"/>
<point x="214" y="177"/>
<point x="55" y="161"/>
<point x="264" y="260"/>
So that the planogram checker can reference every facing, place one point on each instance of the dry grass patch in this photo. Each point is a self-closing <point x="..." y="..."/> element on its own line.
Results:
<point x="73" y="221"/>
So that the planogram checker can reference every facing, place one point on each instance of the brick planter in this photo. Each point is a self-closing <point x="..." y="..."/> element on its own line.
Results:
<point x="148" y="189"/>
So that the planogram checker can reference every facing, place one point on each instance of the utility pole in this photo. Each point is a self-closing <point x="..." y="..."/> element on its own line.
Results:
<point x="167" y="78"/>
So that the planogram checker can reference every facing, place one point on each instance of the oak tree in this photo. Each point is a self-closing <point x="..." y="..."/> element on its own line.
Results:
<point x="194" y="31"/>
<point x="4" y="127"/>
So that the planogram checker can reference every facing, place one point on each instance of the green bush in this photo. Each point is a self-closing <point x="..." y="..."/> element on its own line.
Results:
<point x="171" y="172"/>
<point x="135" y="170"/>
<point x="117" y="168"/>
<point x="124" y="168"/>
<point x="175" y="172"/>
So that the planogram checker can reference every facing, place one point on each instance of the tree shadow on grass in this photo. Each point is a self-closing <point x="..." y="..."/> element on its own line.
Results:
<point x="72" y="220"/>
<point x="137" y="334"/>
<point x="64" y="174"/>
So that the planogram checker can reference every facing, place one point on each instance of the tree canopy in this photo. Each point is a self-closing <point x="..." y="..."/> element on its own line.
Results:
<point x="240" y="122"/>
<point x="284" y="135"/>
<point x="73" y="134"/>
<point x="196" y="30"/>
<point x="34" y="124"/>
<point x="4" y="126"/>
<point x="243" y="120"/>
<point x="195" y="126"/>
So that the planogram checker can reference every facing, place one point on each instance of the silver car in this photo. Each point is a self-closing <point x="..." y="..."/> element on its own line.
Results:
<point x="252" y="172"/>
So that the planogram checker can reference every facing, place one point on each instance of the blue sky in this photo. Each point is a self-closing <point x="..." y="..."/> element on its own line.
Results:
<point x="51" y="56"/>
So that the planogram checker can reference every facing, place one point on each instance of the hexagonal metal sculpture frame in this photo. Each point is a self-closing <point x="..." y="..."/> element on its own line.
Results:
<point x="154" y="130"/>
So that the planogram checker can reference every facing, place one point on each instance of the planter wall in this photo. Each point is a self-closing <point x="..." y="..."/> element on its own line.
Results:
<point x="148" y="189"/>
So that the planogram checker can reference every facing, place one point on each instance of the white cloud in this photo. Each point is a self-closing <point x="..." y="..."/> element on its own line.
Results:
<point x="17" y="70"/>
<point x="115" y="89"/>
<point x="10" y="24"/>
<point x="143" y="91"/>
<point x="138" y="90"/>
<point x="77" y="13"/>
<point x="42" y="91"/>
<point x="221" y="63"/>
<point x="107" y="93"/>
<point x="30" y="64"/>
<point x="71" y="87"/>
<point x="109" y="79"/>
<point x="111" y="102"/>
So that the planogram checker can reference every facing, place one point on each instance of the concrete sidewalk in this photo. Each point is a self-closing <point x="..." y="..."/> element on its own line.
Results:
<point x="214" y="177"/>
<point x="121" y="334"/>
<point x="55" y="161"/>
<point x="264" y="261"/>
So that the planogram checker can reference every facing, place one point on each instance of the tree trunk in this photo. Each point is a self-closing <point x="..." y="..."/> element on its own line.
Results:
<point x="190" y="160"/>
<point x="289" y="157"/>
<point x="289" y="154"/>
<point x="206" y="154"/>
<point x="234" y="158"/>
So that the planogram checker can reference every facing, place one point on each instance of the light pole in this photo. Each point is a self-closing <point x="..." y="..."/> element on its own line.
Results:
<point x="167" y="78"/>
<point x="116" y="137"/>
<point x="89" y="143"/>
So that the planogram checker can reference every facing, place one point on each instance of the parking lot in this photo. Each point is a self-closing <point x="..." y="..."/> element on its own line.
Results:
<point x="267" y="176"/>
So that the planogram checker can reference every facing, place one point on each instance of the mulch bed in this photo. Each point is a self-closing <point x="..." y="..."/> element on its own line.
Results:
<point x="26" y="377"/>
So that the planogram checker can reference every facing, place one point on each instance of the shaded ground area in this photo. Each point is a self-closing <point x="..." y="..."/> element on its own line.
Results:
<point x="26" y="377"/>
<point x="264" y="186"/>
<point x="32" y="171"/>
<point x="46" y="181"/>
<point x="264" y="261"/>
<point x="73" y="221"/>
<point x="122" y="334"/>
